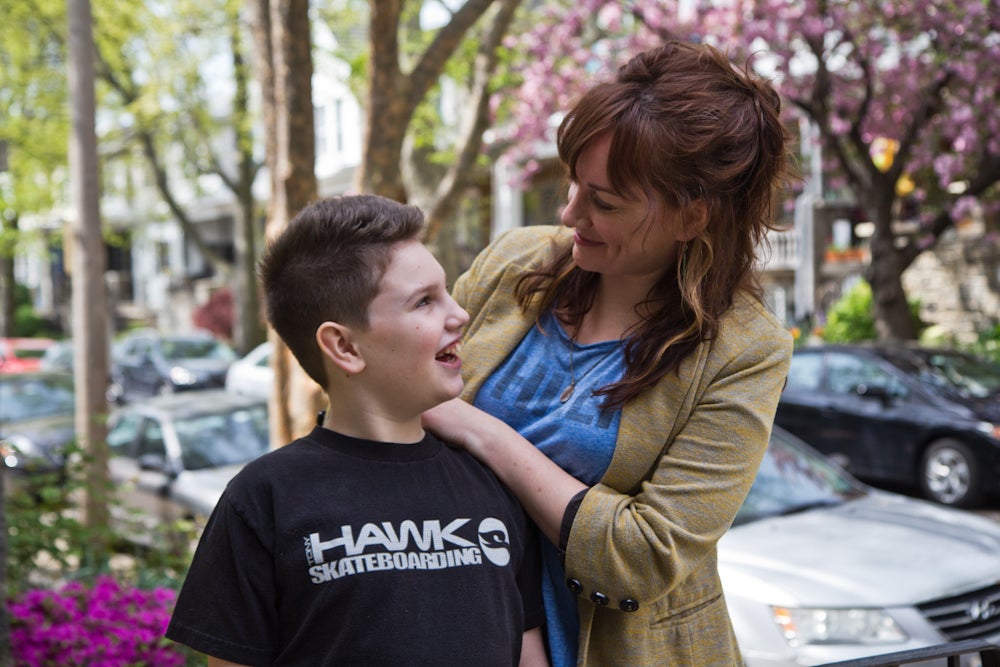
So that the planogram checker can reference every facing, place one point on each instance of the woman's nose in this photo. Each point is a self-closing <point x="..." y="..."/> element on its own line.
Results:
<point x="569" y="215"/>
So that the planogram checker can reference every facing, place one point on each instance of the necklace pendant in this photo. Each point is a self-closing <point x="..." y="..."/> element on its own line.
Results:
<point x="567" y="392"/>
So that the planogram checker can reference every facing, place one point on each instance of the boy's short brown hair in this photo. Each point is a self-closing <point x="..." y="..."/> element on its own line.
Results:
<point x="327" y="264"/>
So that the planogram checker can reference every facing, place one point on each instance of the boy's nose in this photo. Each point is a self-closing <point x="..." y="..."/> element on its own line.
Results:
<point x="460" y="316"/>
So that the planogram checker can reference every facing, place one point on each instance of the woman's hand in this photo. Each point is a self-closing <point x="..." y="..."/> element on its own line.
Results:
<point x="543" y="488"/>
<point x="461" y="424"/>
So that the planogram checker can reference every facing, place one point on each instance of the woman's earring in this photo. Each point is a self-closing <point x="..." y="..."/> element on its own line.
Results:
<point x="682" y="270"/>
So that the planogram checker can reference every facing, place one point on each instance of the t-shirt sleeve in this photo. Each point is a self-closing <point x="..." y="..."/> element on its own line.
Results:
<point x="529" y="578"/>
<point x="226" y="606"/>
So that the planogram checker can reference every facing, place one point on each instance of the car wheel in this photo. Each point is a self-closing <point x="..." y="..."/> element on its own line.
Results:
<point x="950" y="475"/>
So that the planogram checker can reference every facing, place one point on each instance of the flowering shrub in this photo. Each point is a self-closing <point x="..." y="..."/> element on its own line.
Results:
<point x="105" y="625"/>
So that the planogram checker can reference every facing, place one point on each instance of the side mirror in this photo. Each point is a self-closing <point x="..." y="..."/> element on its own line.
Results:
<point x="880" y="393"/>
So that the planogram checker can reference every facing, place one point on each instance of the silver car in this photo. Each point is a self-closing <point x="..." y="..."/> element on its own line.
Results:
<point x="820" y="568"/>
<point x="172" y="456"/>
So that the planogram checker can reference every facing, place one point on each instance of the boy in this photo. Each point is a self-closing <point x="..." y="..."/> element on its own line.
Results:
<point x="367" y="542"/>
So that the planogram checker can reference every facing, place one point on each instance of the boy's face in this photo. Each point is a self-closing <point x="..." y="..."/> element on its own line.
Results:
<point x="411" y="346"/>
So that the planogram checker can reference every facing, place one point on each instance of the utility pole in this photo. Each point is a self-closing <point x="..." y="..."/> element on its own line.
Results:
<point x="88" y="261"/>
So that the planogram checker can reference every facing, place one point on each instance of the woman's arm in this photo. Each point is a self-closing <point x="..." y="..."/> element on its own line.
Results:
<point x="543" y="488"/>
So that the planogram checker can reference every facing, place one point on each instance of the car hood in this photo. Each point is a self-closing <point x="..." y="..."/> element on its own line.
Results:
<point x="881" y="550"/>
<point x="49" y="433"/>
<point x="199" y="490"/>
<point x="202" y="366"/>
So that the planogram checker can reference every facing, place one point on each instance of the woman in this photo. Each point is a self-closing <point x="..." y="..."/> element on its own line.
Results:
<point x="630" y="366"/>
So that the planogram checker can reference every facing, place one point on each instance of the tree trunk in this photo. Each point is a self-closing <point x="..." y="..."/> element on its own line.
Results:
<point x="8" y="236"/>
<point x="281" y="29"/>
<point x="89" y="301"/>
<point x="891" y="310"/>
<point x="248" y="328"/>
<point x="393" y="95"/>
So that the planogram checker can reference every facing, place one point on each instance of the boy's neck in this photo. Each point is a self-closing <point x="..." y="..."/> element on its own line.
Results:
<point x="373" y="426"/>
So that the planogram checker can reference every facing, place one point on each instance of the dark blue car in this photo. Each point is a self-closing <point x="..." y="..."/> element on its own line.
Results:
<point x="898" y="415"/>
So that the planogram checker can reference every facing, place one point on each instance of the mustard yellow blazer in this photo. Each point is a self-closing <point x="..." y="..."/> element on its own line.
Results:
<point x="643" y="543"/>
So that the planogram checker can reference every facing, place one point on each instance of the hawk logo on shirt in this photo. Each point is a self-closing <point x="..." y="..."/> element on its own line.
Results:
<point x="494" y="541"/>
<point x="406" y="546"/>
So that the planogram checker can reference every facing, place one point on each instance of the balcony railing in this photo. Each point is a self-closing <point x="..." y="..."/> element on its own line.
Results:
<point x="989" y="655"/>
<point x="784" y="251"/>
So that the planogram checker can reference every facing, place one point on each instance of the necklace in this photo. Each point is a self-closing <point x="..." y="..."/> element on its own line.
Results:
<point x="567" y="393"/>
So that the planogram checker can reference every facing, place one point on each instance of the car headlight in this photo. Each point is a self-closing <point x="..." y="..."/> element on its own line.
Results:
<point x="837" y="626"/>
<point x="18" y="449"/>
<point x="182" y="376"/>
<point x="992" y="430"/>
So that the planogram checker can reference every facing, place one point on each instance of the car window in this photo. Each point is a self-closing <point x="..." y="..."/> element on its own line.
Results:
<point x="846" y="372"/>
<point x="805" y="371"/>
<point x="33" y="397"/>
<point x="174" y="349"/>
<point x="151" y="440"/>
<point x="214" y="440"/>
<point x="122" y="435"/>
<point x="792" y="478"/>
<point x="968" y="375"/>
<point x="139" y="348"/>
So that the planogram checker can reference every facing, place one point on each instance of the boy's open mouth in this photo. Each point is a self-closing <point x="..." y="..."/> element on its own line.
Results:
<point x="449" y="353"/>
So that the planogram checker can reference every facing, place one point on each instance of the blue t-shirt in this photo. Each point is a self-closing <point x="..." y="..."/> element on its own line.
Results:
<point x="578" y="435"/>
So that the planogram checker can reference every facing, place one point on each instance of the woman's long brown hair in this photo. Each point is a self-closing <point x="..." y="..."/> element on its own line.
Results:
<point x="687" y="126"/>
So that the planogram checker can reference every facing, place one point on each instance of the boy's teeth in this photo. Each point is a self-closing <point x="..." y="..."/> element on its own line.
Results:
<point x="451" y="351"/>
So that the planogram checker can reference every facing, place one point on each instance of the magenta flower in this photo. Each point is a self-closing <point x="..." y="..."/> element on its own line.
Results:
<point x="104" y="625"/>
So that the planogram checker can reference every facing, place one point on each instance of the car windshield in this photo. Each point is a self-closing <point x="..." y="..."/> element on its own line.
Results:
<point x="237" y="436"/>
<point x="177" y="348"/>
<point x="964" y="374"/>
<point x="35" y="396"/>
<point x="793" y="478"/>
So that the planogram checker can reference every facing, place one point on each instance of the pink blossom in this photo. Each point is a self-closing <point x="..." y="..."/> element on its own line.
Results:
<point x="104" y="625"/>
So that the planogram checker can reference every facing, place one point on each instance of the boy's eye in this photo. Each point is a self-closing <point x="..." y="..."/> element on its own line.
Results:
<point x="424" y="301"/>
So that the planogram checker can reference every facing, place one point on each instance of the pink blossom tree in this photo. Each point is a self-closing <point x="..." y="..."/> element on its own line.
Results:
<point x="920" y="78"/>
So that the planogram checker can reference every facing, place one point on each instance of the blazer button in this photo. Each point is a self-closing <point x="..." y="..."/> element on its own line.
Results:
<point x="628" y="604"/>
<point x="574" y="586"/>
<point x="600" y="599"/>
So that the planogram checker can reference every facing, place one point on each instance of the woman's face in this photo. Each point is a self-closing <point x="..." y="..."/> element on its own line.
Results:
<point x="631" y="238"/>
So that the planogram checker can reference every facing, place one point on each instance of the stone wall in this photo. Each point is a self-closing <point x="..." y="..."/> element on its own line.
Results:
<point x="958" y="284"/>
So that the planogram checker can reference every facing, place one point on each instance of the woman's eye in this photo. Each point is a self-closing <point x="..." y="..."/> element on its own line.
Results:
<point x="602" y="205"/>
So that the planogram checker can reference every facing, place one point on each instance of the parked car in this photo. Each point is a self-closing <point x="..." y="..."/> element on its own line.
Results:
<point x="22" y="355"/>
<point x="172" y="456"/>
<point x="252" y="374"/>
<point x="148" y="363"/>
<point x="37" y="421"/>
<point x="58" y="357"/>
<point x="900" y="416"/>
<point x="819" y="567"/>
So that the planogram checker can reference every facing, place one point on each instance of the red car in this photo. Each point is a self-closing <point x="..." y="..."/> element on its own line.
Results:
<point x="21" y="355"/>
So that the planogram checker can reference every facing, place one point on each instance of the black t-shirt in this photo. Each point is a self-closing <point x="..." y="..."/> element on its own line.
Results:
<point x="338" y="551"/>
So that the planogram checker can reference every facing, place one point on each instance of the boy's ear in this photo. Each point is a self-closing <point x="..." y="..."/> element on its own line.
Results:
<point x="336" y="342"/>
<point x="695" y="219"/>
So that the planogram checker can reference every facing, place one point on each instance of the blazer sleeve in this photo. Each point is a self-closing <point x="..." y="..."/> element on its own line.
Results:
<point x="640" y="543"/>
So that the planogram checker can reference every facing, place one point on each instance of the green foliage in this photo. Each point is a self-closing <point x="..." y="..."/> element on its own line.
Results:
<point x="851" y="318"/>
<point x="48" y="541"/>
<point x="33" y="104"/>
<point x="988" y="343"/>
<point x="27" y="322"/>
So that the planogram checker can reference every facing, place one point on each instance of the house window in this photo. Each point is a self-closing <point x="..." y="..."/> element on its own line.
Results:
<point x="319" y="122"/>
